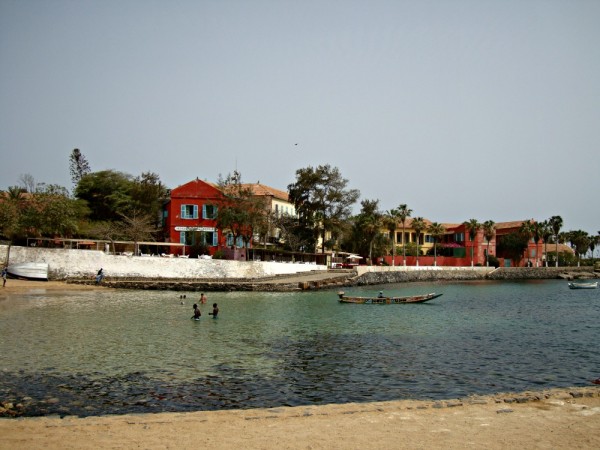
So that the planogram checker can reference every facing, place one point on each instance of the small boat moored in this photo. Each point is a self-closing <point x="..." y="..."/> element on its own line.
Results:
<point x="583" y="284"/>
<point x="379" y="300"/>
<point x="29" y="271"/>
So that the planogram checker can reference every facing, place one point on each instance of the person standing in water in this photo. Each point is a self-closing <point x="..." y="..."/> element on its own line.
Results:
<point x="215" y="311"/>
<point x="197" y="312"/>
<point x="203" y="299"/>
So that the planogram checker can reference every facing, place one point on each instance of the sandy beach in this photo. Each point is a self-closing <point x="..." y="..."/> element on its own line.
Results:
<point x="560" y="418"/>
<point x="557" y="420"/>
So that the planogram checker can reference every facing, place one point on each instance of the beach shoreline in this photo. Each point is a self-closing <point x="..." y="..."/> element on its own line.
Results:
<point x="559" y="418"/>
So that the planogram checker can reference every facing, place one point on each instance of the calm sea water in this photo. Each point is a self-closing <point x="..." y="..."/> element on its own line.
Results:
<point x="106" y="352"/>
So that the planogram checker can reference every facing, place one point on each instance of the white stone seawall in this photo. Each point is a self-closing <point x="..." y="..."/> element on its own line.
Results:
<point x="66" y="263"/>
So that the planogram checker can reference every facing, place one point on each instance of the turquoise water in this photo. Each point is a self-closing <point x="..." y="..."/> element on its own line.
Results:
<point x="98" y="352"/>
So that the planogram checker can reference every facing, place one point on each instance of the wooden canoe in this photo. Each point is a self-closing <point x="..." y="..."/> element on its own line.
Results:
<point x="387" y="300"/>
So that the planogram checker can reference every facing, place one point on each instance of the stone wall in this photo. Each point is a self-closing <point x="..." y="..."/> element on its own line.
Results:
<point x="381" y="275"/>
<point x="541" y="273"/>
<point x="401" y="274"/>
<point x="65" y="263"/>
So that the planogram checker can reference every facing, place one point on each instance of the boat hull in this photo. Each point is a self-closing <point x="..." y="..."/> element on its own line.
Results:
<point x="387" y="300"/>
<point x="29" y="271"/>
<point x="590" y="285"/>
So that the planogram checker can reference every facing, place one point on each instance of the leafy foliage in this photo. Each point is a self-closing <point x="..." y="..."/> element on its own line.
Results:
<point x="49" y="211"/>
<point x="322" y="200"/>
<point x="512" y="246"/>
<point x="367" y="227"/>
<point x="111" y="194"/>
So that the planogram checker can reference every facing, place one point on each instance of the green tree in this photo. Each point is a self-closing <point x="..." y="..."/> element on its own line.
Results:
<point x="107" y="193"/>
<point x="321" y="199"/>
<point x="556" y="224"/>
<point x="527" y="230"/>
<point x="10" y="206"/>
<point x="472" y="226"/>
<point x="489" y="231"/>
<point x="392" y="217"/>
<point x="419" y="225"/>
<point x="403" y="212"/>
<point x="48" y="212"/>
<point x="594" y="240"/>
<point x="580" y="242"/>
<point x="437" y="231"/>
<point x="148" y="194"/>
<point x="512" y="246"/>
<point x="78" y="166"/>
<point x="370" y="221"/>
<point x="546" y="232"/>
<point x="538" y="232"/>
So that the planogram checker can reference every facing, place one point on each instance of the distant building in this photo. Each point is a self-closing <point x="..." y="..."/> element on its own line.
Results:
<point x="455" y="248"/>
<point x="190" y="216"/>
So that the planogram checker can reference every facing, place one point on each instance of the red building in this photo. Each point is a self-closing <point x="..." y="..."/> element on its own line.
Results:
<point x="190" y="216"/>
<point x="457" y="249"/>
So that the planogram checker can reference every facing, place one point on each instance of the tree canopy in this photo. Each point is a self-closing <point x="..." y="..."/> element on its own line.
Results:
<point x="111" y="194"/>
<point x="322" y="200"/>
<point x="78" y="166"/>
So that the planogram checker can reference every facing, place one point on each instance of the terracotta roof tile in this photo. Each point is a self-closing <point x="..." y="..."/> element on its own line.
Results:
<point x="261" y="189"/>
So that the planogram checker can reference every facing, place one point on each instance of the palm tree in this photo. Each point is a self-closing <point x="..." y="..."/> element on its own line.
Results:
<point x="580" y="241"/>
<point x="538" y="231"/>
<point x="546" y="235"/>
<point x="418" y="224"/>
<point x="437" y="230"/>
<point x="391" y="221"/>
<point x="594" y="240"/>
<point x="371" y="221"/>
<point x="489" y="230"/>
<point x="556" y="224"/>
<point x="472" y="227"/>
<point x="404" y="212"/>
<point x="527" y="231"/>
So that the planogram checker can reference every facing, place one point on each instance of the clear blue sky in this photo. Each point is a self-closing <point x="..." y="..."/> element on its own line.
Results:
<point x="461" y="109"/>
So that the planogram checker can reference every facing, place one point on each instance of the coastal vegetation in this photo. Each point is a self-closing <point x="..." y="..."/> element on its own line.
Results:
<point x="113" y="205"/>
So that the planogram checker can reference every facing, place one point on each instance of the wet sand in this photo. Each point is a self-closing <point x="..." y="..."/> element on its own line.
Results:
<point x="14" y="286"/>
<point x="561" y="418"/>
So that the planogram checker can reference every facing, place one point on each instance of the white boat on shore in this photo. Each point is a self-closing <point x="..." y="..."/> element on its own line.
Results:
<point x="29" y="271"/>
